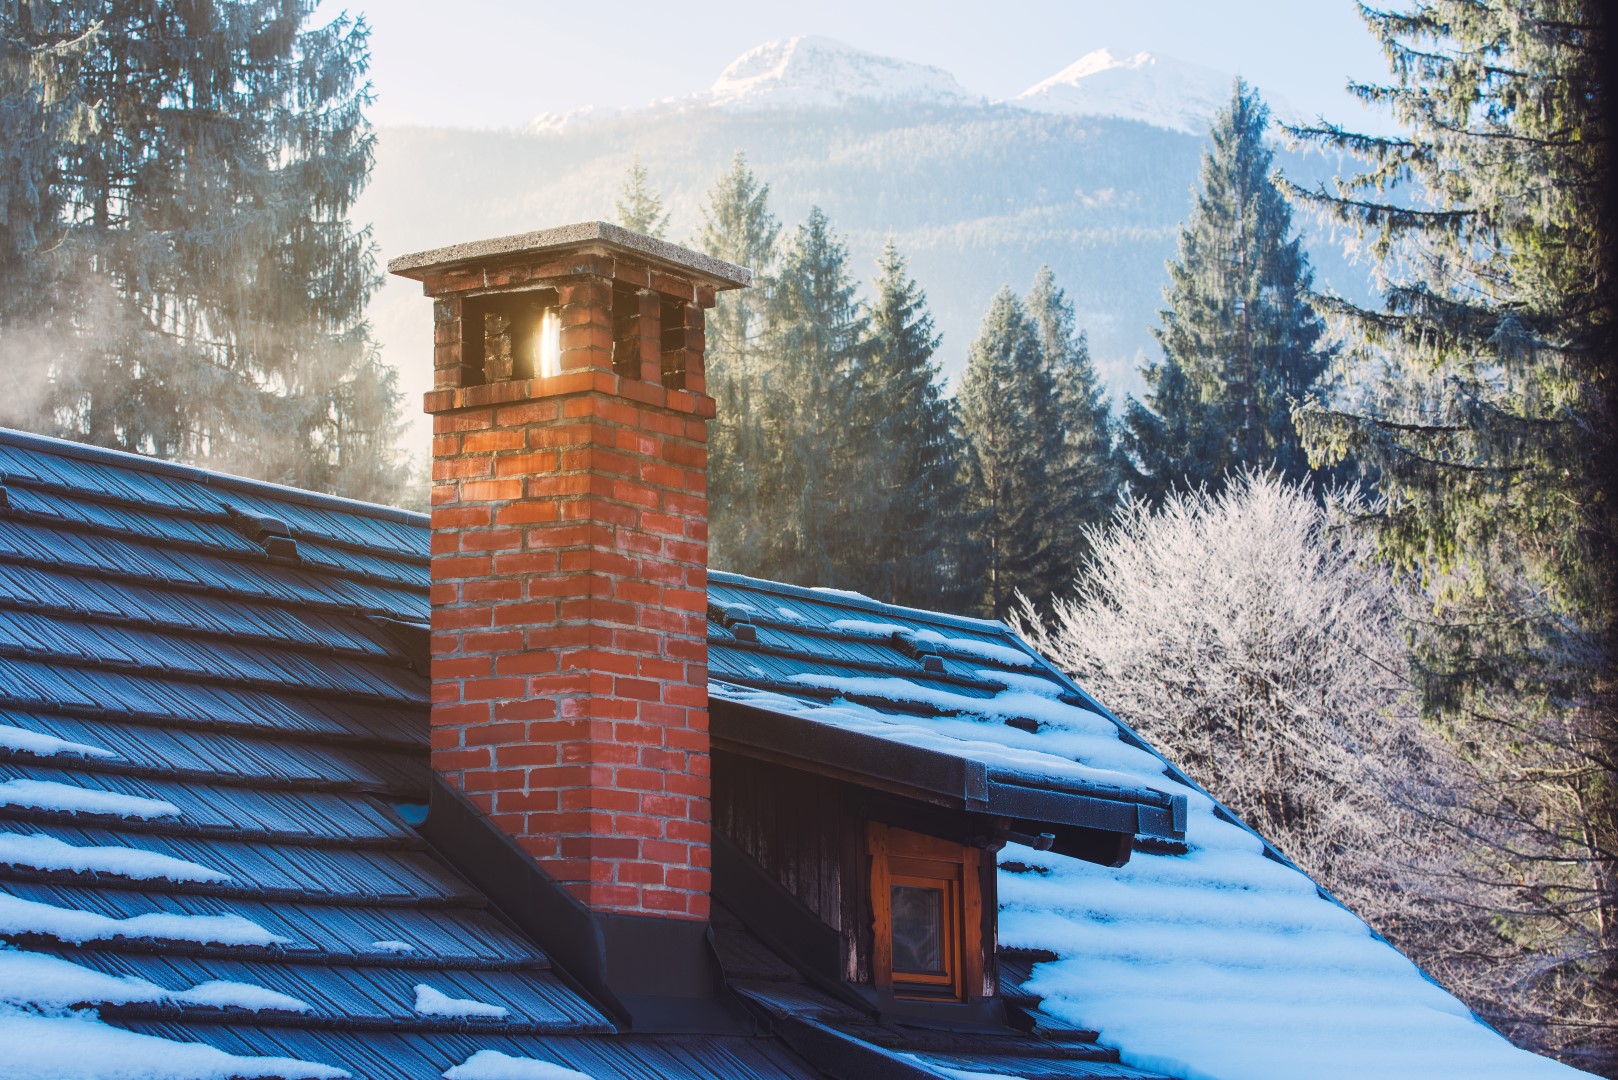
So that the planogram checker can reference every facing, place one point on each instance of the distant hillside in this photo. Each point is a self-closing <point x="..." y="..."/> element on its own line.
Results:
<point x="976" y="194"/>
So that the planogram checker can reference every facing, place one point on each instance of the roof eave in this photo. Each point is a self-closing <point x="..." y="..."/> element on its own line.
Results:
<point x="943" y="779"/>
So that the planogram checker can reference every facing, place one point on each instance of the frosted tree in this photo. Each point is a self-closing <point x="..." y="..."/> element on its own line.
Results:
<point x="200" y="311"/>
<point x="737" y="226"/>
<point x="1246" y="636"/>
<point x="1484" y="402"/>
<point x="639" y="207"/>
<point x="1238" y="335"/>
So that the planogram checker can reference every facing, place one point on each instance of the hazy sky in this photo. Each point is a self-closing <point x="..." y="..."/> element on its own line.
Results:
<point x="500" y="63"/>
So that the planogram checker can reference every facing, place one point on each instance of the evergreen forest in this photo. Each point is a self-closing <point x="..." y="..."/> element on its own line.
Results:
<point x="1347" y="555"/>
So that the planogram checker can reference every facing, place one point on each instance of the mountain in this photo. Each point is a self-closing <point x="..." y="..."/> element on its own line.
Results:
<point x="819" y="73"/>
<point x="796" y="73"/>
<point x="1157" y="90"/>
<point x="976" y="194"/>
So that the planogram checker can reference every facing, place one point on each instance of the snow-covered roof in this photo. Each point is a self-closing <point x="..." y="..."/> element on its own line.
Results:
<point x="208" y="754"/>
<point x="1216" y="960"/>
<point x="210" y="747"/>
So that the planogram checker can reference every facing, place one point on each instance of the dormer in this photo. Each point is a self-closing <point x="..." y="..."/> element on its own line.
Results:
<point x="855" y="836"/>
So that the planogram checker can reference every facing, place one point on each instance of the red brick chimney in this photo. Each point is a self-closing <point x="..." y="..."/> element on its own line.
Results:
<point x="569" y="542"/>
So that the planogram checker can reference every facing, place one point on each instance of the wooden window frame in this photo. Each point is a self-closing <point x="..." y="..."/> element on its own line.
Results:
<point x="901" y="857"/>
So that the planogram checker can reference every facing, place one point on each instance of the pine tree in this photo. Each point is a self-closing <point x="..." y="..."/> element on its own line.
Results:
<point x="918" y="547"/>
<point x="639" y="207"/>
<point x="1008" y="405"/>
<point x="39" y="114"/>
<point x="1089" y="469"/>
<point x="1238" y="336"/>
<point x="1491" y="425"/>
<point x="206" y="287"/>
<point x="737" y="226"/>
<point x="815" y="468"/>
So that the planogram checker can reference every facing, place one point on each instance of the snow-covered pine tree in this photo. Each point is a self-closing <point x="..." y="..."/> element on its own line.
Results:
<point x="1486" y="405"/>
<point x="207" y="289"/>
<point x="639" y="207"/>
<point x="737" y="226"/>
<point x="1238" y="335"/>
<point x="918" y="547"/>
<point x="1089" y="472"/>
<point x="816" y="469"/>
<point x="1009" y="413"/>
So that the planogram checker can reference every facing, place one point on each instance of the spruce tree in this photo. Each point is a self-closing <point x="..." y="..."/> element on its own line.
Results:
<point x="639" y="207"/>
<point x="1238" y="335"/>
<point x="206" y="289"/>
<point x="1490" y="423"/>
<point x="1089" y="468"/>
<point x="39" y="114"/>
<point x="737" y="226"/>
<point x="814" y="471"/>
<point x="1016" y="447"/>
<point x="919" y="547"/>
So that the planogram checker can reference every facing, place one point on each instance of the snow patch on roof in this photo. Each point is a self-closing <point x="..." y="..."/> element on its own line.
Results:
<point x="81" y="1047"/>
<point x="850" y="593"/>
<point x="977" y="733"/>
<point x="66" y="798"/>
<point x="869" y="629"/>
<point x="224" y="994"/>
<point x="1038" y="685"/>
<point x="985" y="650"/>
<point x="19" y="916"/>
<point x="41" y="745"/>
<point x="49" y="982"/>
<point x="493" y="1065"/>
<point x="431" y="1002"/>
<point x="982" y="650"/>
<point x="49" y="853"/>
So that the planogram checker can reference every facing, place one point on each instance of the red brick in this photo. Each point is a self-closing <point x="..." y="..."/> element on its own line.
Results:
<point x="458" y="760"/>
<point x="484" y="442"/>
<point x="520" y="755"/>
<point x="491" y="490"/>
<point x="641" y="779"/>
<point x="692" y="879"/>
<point x="663" y="900"/>
<point x="641" y="873"/>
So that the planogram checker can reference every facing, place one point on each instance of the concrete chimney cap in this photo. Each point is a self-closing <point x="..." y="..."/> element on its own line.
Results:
<point x="706" y="269"/>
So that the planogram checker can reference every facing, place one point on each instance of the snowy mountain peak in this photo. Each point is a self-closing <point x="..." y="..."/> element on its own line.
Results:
<point x="1093" y="63"/>
<point x="817" y="72"/>
<point x="1156" y="90"/>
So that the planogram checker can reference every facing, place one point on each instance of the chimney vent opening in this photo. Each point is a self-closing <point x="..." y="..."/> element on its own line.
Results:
<point x="674" y="321"/>
<point x="521" y="336"/>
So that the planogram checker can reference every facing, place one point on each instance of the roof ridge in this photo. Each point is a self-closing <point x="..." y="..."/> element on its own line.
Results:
<point x="859" y="602"/>
<point x="123" y="459"/>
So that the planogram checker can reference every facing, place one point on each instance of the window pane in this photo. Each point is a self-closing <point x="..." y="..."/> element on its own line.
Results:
<point x="918" y="929"/>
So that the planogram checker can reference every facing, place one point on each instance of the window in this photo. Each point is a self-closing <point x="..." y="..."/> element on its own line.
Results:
<point x="927" y="913"/>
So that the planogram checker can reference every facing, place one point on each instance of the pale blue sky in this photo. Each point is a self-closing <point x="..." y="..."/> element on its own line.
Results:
<point x="499" y="63"/>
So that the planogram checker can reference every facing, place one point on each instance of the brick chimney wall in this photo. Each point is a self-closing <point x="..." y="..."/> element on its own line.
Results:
<point x="569" y="565"/>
